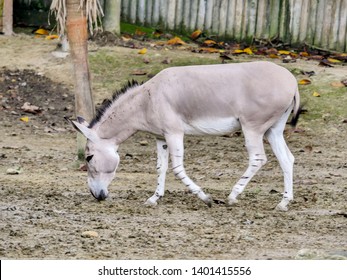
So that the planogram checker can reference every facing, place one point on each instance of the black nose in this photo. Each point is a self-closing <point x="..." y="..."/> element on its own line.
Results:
<point x="102" y="196"/>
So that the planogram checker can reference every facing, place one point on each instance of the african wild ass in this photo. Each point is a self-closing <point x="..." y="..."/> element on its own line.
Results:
<point x="256" y="97"/>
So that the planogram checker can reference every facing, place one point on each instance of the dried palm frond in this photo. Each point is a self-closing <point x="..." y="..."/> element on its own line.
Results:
<point x="93" y="12"/>
<point x="91" y="8"/>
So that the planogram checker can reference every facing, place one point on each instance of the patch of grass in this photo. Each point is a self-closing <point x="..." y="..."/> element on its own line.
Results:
<point x="131" y="29"/>
<point x="113" y="67"/>
<point x="128" y="28"/>
<point x="329" y="106"/>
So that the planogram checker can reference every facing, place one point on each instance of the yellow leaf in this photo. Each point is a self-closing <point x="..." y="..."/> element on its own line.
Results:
<point x="196" y="34"/>
<point x="209" y="50"/>
<point x="284" y="52"/>
<point x="209" y="42"/>
<point x="52" y="37"/>
<point x="332" y="60"/>
<point x="237" y="51"/>
<point x="273" y="55"/>
<point x="248" y="51"/>
<point x="305" y="54"/>
<point x="304" y="82"/>
<point x="316" y="94"/>
<point x="24" y="119"/>
<point x="176" y="41"/>
<point x="41" y="31"/>
<point x="142" y="51"/>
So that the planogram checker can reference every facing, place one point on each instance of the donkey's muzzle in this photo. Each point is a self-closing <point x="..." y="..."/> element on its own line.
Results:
<point x="100" y="196"/>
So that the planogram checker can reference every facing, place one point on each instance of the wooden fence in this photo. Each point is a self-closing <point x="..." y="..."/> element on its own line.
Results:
<point x="320" y="23"/>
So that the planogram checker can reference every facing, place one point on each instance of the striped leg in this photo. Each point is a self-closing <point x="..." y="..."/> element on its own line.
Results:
<point x="162" y="165"/>
<point x="257" y="158"/>
<point x="176" y="149"/>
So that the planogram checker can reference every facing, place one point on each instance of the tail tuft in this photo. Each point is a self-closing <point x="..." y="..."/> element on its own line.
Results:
<point x="296" y="117"/>
<point x="297" y="109"/>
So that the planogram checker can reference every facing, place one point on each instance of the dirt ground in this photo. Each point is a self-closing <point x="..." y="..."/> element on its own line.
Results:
<point x="46" y="207"/>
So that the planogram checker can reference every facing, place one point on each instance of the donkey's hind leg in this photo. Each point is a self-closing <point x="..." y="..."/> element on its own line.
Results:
<point x="176" y="149"/>
<point x="257" y="158"/>
<point x="285" y="159"/>
<point x="162" y="165"/>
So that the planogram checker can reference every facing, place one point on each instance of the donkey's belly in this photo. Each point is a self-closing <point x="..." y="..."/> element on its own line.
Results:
<point x="212" y="126"/>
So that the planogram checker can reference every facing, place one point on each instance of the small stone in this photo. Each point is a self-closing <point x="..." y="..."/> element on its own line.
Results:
<point x="14" y="171"/>
<point x="143" y="143"/>
<point x="89" y="234"/>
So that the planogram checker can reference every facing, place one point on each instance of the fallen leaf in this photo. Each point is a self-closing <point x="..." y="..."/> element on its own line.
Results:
<point x="29" y="108"/>
<point x="333" y="60"/>
<point x="273" y="55"/>
<point x="142" y="51"/>
<point x="237" y="51"/>
<point x="341" y="57"/>
<point x="210" y="43"/>
<point x="248" y="51"/>
<point x="52" y="37"/>
<point x="209" y="50"/>
<point x="176" y="41"/>
<point x="316" y="57"/>
<point x="304" y="82"/>
<point x="41" y="31"/>
<point x="284" y="52"/>
<point x="196" y="34"/>
<point x="315" y="94"/>
<point x="304" y="54"/>
<point x="324" y="63"/>
<point x="24" y="119"/>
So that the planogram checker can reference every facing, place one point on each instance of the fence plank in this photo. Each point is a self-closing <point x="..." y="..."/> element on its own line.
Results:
<point x="342" y="35"/>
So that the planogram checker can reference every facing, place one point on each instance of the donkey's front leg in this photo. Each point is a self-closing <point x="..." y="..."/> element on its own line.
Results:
<point x="176" y="149"/>
<point x="162" y="165"/>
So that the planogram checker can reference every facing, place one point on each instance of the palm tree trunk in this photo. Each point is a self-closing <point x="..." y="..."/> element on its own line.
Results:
<point x="111" y="21"/>
<point x="77" y="36"/>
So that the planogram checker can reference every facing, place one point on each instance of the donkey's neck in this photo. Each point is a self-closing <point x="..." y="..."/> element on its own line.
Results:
<point x="124" y="117"/>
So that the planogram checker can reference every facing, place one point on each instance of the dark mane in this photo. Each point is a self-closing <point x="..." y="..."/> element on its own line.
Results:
<point x="106" y="103"/>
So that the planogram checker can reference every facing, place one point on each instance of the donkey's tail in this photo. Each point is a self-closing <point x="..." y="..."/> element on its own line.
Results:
<point x="296" y="109"/>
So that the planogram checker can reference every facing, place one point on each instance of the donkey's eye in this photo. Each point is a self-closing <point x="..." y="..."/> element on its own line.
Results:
<point x="88" y="158"/>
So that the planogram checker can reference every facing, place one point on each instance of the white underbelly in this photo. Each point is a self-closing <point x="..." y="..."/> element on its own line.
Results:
<point x="212" y="126"/>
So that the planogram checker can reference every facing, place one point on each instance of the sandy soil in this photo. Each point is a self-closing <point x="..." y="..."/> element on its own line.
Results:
<point x="47" y="206"/>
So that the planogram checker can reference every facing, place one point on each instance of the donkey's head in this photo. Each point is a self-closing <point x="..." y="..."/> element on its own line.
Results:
<point x="101" y="157"/>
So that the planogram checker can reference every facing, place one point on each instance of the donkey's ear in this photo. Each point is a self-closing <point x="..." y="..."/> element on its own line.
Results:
<point x="81" y="120"/>
<point x="87" y="132"/>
